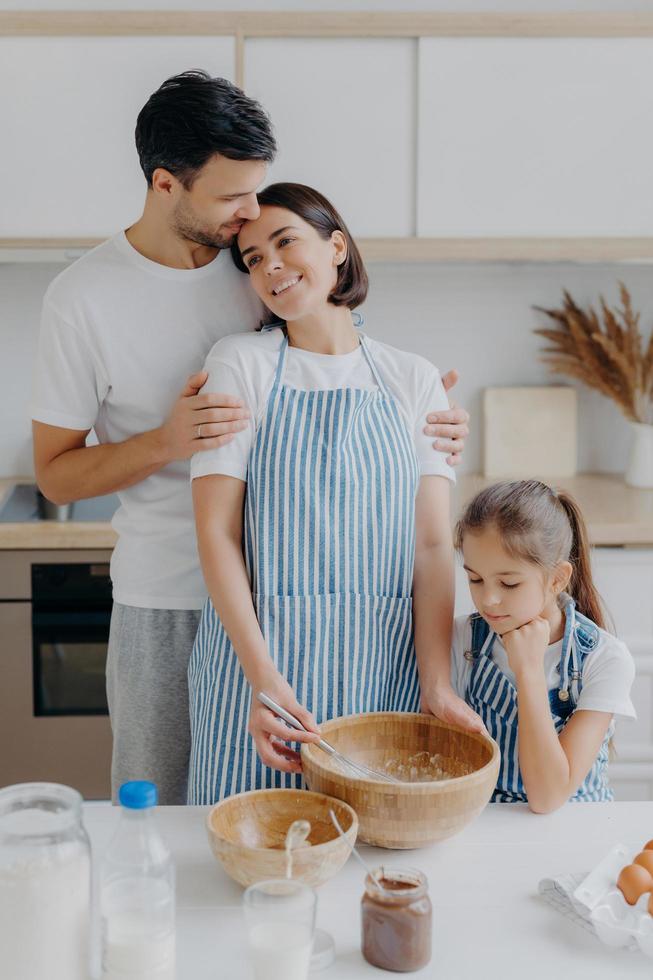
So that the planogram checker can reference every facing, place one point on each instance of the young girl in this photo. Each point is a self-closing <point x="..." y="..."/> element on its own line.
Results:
<point x="323" y="527"/>
<point x="535" y="661"/>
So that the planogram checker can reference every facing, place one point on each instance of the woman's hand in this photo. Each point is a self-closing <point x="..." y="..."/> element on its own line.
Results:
<point x="450" y="427"/>
<point x="270" y="733"/>
<point x="443" y="702"/>
<point x="527" y="645"/>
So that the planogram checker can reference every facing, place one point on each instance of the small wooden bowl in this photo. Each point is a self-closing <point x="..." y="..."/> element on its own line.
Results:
<point x="409" y="814"/>
<point x="247" y="833"/>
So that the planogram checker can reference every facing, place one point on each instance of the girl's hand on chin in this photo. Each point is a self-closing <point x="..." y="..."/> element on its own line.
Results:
<point x="271" y="733"/>
<point x="527" y="645"/>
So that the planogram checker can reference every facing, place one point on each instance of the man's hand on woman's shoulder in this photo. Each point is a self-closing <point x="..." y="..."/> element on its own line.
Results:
<point x="449" y="428"/>
<point x="201" y="421"/>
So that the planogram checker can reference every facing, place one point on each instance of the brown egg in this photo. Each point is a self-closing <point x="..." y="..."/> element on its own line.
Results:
<point x="648" y="846"/>
<point x="633" y="881"/>
<point x="650" y="904"/>
<point x="645" y="859"/>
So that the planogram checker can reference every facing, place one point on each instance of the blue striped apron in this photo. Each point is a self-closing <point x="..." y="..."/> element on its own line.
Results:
<point x="329" y="544"/>
<point x="494" y="697"/>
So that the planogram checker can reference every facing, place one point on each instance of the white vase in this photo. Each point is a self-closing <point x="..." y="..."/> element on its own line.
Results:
<point x="640" y="465"/>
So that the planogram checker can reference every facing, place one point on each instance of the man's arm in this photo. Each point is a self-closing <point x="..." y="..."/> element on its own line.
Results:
<point x="67" y="469"/>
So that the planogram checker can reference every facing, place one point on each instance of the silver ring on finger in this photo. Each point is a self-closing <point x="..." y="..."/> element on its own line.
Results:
<point x="199" y="431"/>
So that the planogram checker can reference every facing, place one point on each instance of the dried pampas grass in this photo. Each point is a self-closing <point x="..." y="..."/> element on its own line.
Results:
<point x="609" y="356"/>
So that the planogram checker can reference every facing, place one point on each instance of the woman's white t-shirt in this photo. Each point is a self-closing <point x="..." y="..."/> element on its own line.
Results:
<point x="608" y="670"/>
<point x="245" y="365"/>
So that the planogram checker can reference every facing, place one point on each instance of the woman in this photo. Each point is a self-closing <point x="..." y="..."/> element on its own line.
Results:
<point x="323" y="527"/>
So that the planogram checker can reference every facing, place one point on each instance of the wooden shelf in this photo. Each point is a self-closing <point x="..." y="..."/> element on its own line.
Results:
<point x="64" y="23"/>
<point x="507" y="249"/>
<point x="582" y="250"/>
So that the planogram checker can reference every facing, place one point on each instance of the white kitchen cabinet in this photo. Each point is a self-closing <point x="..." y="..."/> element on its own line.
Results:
<point x="68" y="165"/>
<point x="624" y="578"/>
<point x="535" y="137"/>
<point x="344" y="115"/>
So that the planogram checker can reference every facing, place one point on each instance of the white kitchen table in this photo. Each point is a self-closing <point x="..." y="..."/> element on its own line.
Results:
<point x="488" y="918"/>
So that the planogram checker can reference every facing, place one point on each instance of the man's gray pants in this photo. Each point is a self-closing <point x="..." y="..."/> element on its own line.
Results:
<point x="147" y="690"/>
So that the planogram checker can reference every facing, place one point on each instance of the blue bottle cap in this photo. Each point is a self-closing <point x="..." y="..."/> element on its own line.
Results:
<point x="138" y="795"/>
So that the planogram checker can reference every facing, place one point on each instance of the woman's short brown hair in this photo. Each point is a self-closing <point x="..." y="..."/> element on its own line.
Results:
<point x="351" y="285"/>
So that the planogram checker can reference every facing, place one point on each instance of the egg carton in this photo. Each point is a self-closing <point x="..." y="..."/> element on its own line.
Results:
<point x="616" y="923"/>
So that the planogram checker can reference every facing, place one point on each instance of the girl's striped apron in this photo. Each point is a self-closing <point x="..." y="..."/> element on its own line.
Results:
<point x="494" y="697"/>
<point x="329" y="546"/>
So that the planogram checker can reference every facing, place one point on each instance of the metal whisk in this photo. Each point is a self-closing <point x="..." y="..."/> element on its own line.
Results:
<point x="356" y="769"/>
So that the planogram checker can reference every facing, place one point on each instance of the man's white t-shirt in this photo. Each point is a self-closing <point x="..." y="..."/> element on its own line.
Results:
<point x="120" y="334"/>
<point x="246" y="365"/>
<point x="608" y="670"/>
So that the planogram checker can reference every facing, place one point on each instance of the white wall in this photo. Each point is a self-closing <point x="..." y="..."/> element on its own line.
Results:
<point x="477" y="318"/>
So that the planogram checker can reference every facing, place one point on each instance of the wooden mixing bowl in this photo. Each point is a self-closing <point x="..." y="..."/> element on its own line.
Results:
<point x="408" y="814"/>
<point x="247" y="834"/>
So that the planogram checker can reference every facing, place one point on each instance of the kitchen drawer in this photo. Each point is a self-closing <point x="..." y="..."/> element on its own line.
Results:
<point x="640" y="732"/>
<point x="631" y="772"/>
<point x="624" y="578"/>
<point x="631" y="789"/>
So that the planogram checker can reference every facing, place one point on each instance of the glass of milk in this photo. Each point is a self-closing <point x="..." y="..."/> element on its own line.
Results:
<point x="280" y="920"/>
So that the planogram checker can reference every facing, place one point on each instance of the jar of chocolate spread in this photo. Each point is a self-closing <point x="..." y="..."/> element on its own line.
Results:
<point x="396" y="920"/>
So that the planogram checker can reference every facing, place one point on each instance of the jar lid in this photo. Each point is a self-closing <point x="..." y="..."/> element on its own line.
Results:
<point x="324" y="951"/>
<point x="138" y="795"/>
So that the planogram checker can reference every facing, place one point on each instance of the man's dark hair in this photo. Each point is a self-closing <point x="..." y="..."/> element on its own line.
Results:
<point x="191" y="117"/>
<point x="351" y="284"/>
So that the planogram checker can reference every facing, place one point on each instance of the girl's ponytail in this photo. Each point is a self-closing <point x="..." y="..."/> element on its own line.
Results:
<point x="581" y="587"/>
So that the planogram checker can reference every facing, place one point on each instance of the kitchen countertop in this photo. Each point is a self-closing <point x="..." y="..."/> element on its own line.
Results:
<point x="52" y="534"/>
<point x="615" y="514"/>
<point x="488" y="918"/>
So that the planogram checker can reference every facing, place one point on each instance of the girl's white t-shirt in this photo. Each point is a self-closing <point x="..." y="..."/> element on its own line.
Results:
<point x="120" y="334"/>
<point x="245" y="365"/>
<point x="608" y="670"/>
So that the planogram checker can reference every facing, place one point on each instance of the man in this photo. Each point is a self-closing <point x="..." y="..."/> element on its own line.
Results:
<point x="120" y="329"/>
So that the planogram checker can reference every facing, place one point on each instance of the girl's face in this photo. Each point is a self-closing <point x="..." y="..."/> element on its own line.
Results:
<point x="292" y="269"/>
<point x="508" y="592"/>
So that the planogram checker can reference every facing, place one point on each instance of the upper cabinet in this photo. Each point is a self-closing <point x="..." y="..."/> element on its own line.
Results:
<point x="343" y="114"/>
<point x="438" y="136"/>
<point x="69" y="166"/>
<point x="535" y="137"/>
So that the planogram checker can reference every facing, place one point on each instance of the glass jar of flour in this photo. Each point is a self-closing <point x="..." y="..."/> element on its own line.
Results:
<point x="45" y="883"/>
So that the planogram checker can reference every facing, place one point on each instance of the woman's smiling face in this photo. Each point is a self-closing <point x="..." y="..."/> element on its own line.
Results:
<point x="292" y="268"/>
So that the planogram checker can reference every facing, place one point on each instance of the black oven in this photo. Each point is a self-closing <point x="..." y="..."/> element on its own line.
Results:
<point x="71" y="611"/>
<point x="55" y="607"/>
